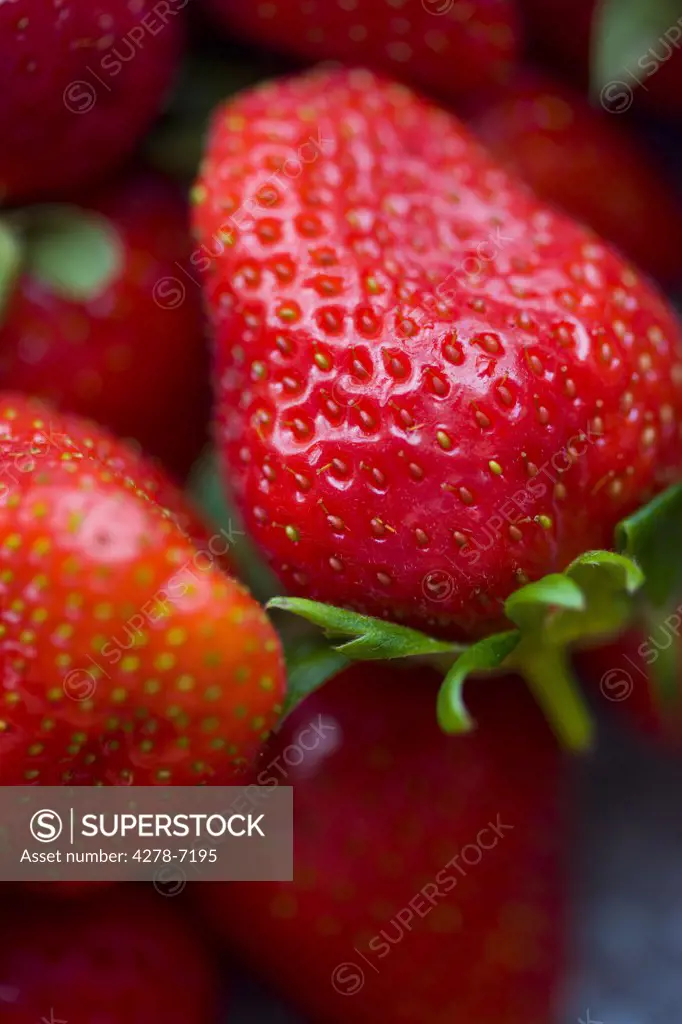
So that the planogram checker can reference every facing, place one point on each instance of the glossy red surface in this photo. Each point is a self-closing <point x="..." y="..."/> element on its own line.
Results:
<point x="431" y="388"/>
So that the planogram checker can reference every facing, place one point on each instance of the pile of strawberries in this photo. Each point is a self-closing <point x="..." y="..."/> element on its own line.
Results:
<point x="441" y="388"/>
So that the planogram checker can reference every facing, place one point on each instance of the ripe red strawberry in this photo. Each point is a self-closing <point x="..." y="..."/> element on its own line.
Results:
<point x="566" y="150"/>
<point x="562" y="32"/>
<point x="127" y="656"/>
<point x="80" y="82"/>
<point x="431" y="388"/>
<point x="621" y="673"/>
<point x="427" y="883"/>
<point x="447" y="47"/>
<point x="58" y="433"/>
<point x="103" y="317"/>
<point x="126" y="957"/>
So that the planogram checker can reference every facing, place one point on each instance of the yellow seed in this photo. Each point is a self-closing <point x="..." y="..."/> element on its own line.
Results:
<point x="176" y="637"/>
<point x="164" y="661"/>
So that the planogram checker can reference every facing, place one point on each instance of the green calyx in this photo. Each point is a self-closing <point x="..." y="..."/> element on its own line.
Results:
<point x="74" y="253"/>
<point x="10" y="264"/>
<point x="369" y="639"/>
<point x="597" y="597"/>
<point x="653" y="538"/>
<point x="623" y="35"/>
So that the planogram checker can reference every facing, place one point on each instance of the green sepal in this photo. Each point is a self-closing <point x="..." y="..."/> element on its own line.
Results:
<point x="527" y="607"/>
<point x="311" y="662"/>
<point x="592" y="597"/>
<point x="623" y="32"/>
<point x="73" y="252"/>
<point x="10" y="264"/>
<point x="485" y="656"/>
<point x="652" y="537"/>
<point x="609" y="583"/>
<point x="372" y="639"/>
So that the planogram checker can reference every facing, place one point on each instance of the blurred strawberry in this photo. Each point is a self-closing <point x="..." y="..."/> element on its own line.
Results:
<point x="584" y="161"/>
<point x="102" y="321"/>
<point x="427" y="883"/>
<point x="620" y="675"/>
<point x="448" y="47"/>
<point x="127" y="656"/>
<point x="126" y="957"/>
<point x="80" y="83"/>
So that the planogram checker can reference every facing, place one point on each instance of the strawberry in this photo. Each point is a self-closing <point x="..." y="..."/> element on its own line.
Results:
<point x="431" y="388"/>
<point x="621" y="675"/>
<point x="447" y="47"/>
<point x="125" y="957"/>
<point x="565" y="149"/>
<point x="120" y="659"/>
<point x="101" y="316"/>
<point x="80" y="84"/>
<point x="427" y="877"/>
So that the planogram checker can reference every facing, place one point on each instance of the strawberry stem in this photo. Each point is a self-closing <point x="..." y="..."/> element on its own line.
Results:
<point x="550" y="680"/>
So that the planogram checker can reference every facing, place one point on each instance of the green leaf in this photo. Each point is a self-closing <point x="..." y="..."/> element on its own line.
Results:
<point x="10" y="264"/>
<point x="623" y="34"/>
<point x="487" y="655"/>
<point x="74" y="252"/>
<point x="372" y="639"/>
<point x="310" y="664"/>
<point x="664" y="670"/>
<point x="652" y="537"/>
